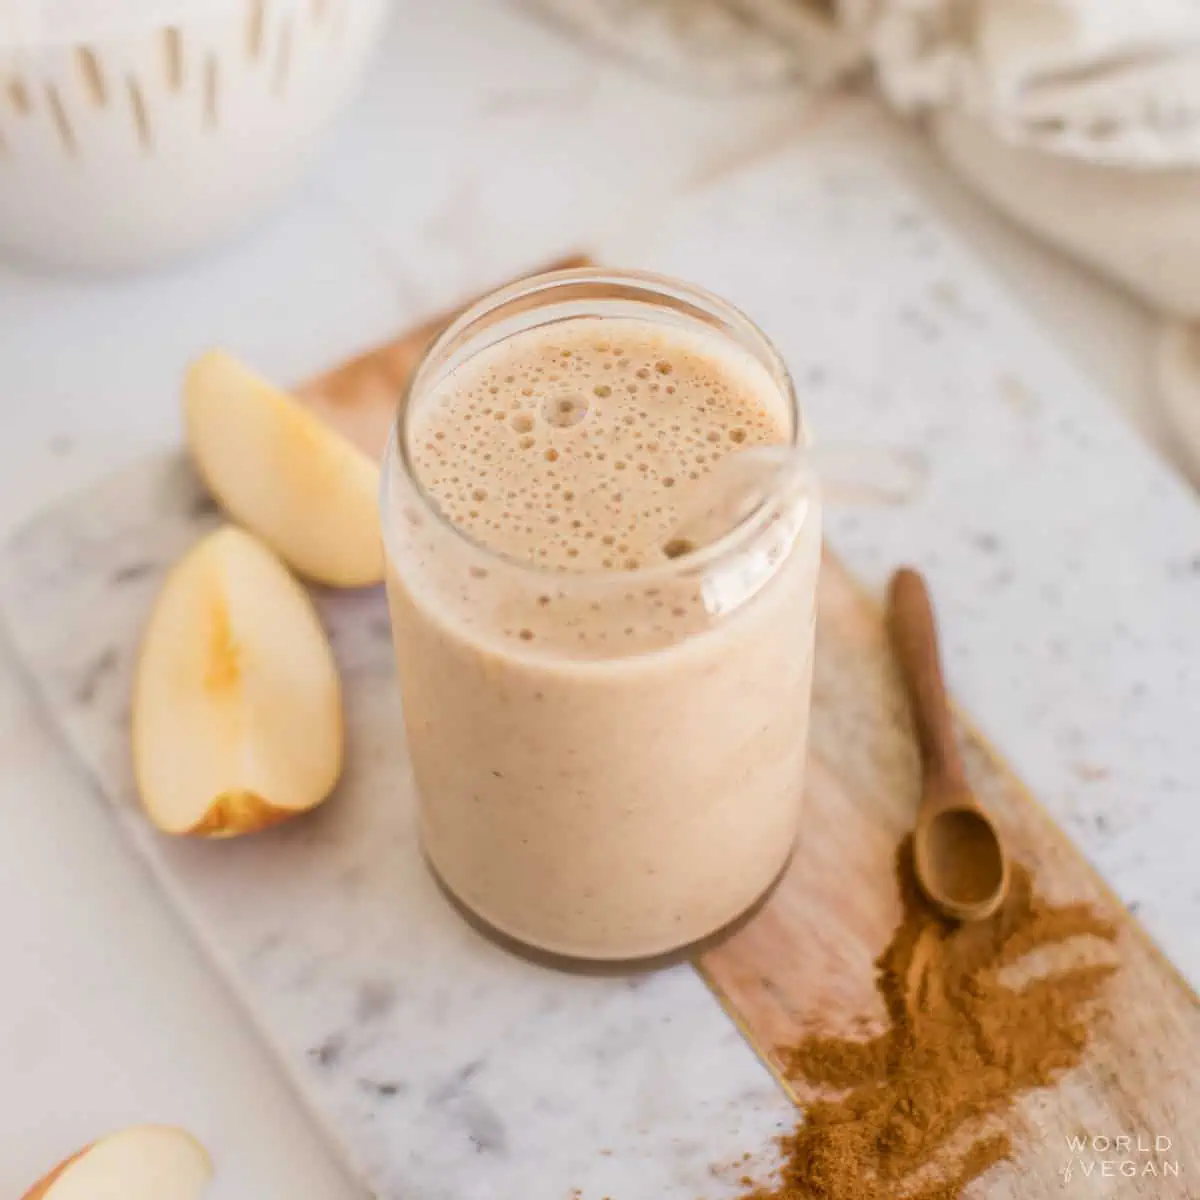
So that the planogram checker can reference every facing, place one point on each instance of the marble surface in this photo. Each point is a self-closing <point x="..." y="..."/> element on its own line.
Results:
<point x="439" y="182"/>
<point x="446" y="1068"/>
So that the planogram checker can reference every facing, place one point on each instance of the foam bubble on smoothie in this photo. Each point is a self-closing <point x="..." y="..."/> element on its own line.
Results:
<point x="575" y="446"/>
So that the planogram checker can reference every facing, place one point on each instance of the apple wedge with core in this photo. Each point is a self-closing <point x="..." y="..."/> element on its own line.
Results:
<point x="277" y="470"/>
<point x="237" y="707"/>
<point x="147" y="1162"/>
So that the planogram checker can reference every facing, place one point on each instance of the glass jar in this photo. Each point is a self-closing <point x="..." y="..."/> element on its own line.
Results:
<point x="608" y="762"/>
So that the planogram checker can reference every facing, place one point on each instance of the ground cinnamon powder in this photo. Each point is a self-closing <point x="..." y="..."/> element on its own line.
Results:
<point x="964" y="1039"/>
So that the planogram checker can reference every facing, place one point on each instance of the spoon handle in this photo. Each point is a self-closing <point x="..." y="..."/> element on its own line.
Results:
<point x="913" y="630"/>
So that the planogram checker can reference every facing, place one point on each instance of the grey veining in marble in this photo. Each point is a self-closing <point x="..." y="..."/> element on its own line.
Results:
<point x="1066" y="562"/>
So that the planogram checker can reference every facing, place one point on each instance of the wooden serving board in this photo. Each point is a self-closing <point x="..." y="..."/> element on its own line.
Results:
<point x="441" y="1064"/>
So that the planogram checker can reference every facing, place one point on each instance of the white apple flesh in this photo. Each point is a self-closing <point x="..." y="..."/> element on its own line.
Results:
<point x="237" y="709"/>
<point x="146" y="1162"/>
<point x="285" y="475"/>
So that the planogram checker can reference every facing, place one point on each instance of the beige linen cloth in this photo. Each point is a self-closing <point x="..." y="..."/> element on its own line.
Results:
<point x="1080" y="119"/>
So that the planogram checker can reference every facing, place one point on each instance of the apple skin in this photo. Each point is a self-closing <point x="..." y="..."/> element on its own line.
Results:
<point x="41" y="1189"/>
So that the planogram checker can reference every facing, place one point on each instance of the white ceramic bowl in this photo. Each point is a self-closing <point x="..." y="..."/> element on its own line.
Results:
<point x="128" y="150"/>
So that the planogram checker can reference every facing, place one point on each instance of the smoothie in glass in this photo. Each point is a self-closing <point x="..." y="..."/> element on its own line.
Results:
<point x="607" y="729"/>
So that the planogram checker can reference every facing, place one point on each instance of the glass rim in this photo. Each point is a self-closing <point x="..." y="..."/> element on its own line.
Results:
<point x="649" y="287"/>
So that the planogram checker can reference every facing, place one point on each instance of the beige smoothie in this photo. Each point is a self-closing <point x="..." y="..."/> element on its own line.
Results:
<point x="608" y="742"/>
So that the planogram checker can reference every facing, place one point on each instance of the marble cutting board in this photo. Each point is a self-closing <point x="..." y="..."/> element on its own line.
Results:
<point x="441" y="1066"/>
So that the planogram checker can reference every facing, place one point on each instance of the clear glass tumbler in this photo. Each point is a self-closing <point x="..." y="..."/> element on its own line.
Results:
<point x="625" y="797"/>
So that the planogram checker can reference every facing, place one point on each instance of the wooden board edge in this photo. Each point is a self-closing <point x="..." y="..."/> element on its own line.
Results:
<point x="765" y="1054"/>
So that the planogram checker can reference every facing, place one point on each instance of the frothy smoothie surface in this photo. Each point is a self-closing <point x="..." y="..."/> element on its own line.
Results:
<point x="577" y="445"/>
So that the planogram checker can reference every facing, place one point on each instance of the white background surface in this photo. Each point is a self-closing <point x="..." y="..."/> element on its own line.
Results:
<point x="472" y="155"/>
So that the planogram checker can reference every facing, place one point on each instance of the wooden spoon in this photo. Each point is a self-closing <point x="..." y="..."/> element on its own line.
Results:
<point x="958" y="857"/>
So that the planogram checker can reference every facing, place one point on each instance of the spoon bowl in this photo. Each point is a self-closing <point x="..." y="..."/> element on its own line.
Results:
<point x="959" y="861"/>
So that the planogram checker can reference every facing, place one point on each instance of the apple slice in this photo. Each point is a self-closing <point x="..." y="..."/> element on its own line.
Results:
<point x="299" y="484"/>
<point x="147" y="1162"/>
<point x="237" y="709"/>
